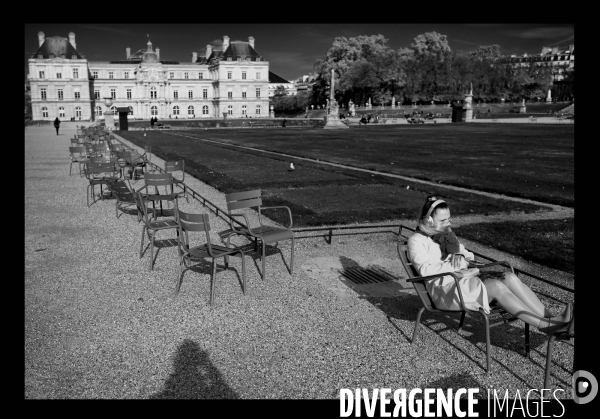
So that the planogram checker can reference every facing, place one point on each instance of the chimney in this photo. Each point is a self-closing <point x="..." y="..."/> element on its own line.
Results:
<point x="194" y="57"/>
<point x="555" y="50"/>
<point x="251" y="41"/>
<point x="72" y="39"/>
<point x="158" y="54"/>
<point x="525" y="55"/>
<point x="571" y="48"/>
<point x="41" y="38"/>
<point x="545" y="50"/>
<point x="128" y="51"/>
<point x="225" y="42"/>
<point x="208" y="50"/>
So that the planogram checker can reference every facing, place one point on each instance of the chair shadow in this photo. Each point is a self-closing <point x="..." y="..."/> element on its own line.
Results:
<point x="204" y="267"/>
<point x="194" y="377"/>
<point x="255" y="255"/>
<point x="411" y="304"/>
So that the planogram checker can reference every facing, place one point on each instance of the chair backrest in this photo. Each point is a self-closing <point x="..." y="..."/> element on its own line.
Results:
<point x="78" y="152"/>
<point x="122" y="190"/>
<point x="239" y="200"/>
<point x="192" y="223"/>
<point x="99" y="159"/>
<point x="175" y="166"/>
<point x="93" y="168"/>
<point x="412" y="273"/>
<point x="158" y="179"/>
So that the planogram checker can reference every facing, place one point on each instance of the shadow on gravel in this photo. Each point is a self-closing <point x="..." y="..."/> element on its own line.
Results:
<point x="194" y="377"/>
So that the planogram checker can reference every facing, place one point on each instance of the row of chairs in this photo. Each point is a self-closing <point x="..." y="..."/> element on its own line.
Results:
<point x="109" y="173"/>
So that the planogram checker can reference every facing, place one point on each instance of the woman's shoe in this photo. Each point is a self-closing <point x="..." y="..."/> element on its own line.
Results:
<point x="567" y="315"/>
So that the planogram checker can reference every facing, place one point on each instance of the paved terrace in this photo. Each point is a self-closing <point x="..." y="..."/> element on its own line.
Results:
<point x="98" y="324"/>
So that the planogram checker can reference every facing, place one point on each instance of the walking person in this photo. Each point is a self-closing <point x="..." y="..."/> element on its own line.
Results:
<point x="57" y="124"/>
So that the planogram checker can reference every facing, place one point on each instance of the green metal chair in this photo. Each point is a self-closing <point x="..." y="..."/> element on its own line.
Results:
<point x="190" y="223"/>
<point x="78" y="155"/>
<point x="125" y="196"/>
<point x="564" y="333"/>
<point x="496" y="317"/>
<point x="98" y="174"/>
<point x="265" y="233"/>
<point x="177" y="166"/>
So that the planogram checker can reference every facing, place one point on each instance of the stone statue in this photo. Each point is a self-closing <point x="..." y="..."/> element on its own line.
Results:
<point x="549" y="97"/>
<point x="393" y="102"/>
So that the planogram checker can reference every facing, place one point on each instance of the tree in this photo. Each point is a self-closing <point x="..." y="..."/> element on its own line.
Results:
<point x="430" y="44"/>
<point x="280" y="91"/>
<point x="487" y="52"/>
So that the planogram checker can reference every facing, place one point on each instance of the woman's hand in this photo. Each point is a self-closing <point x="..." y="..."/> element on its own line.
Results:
<point x="458" y="261"/>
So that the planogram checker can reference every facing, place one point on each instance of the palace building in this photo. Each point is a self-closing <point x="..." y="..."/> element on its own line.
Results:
<point x="231" y="80"/>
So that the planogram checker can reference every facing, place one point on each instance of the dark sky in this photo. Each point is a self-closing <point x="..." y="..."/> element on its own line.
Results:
<point x="291" y="49"/>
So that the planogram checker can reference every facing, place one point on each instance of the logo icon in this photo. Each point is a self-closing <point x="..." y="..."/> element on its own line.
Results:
<point x="585" y="387"/>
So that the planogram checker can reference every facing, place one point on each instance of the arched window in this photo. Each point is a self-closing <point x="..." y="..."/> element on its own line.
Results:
<point x="153" y="93"/>
<point x="258" y="109"/>
<point x="78" y="111"/>
<point x="205" y="110"/>
<point x="175" y="110"/>
<point x="230" y="110"/>
<point x="61" y="112"/>
<point x="114" y="110"/>
<point x="44" y="112"/>
<point x="98" y="110"/>
<point x="190" y="110"/>
<point x="154" y="111"/>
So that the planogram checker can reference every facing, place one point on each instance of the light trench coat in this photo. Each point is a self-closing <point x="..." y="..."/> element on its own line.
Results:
<point x="426" y="256"/>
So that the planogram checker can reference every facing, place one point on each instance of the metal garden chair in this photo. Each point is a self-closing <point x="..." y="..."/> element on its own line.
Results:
<point x="177" y="166"/>
<point x="266" y="234"/>
<point x="78" y="155"/>
<point x="496" y="317"/>
<point x="151" y="227"/>
<point x="124" y="195"/>
<point x="565" y="333"/>
<point x="157" y="180"/>
<point x="189" y="223"/>
<point x="99" y="174"/>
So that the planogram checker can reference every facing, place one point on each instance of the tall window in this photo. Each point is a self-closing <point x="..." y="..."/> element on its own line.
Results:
<point x="244" y="92"/>
<point x="229" y="74"/>
<point x="43" y="92"/>
<point x="111" y="75"/>
<point x="59" y="75"/>
<point x="175" y="94"/>
<point x="229" y="93"/>
<point x="230" y="110"/>
<point x="190" y="94"/>
<point x="126" y="74"/>
<point x="257" y="109"/>
<point x="186" y="75"/>
<point x="42" y="75"/>
<point x="96" y="94"/>
<point x="257" y="92"/>
<point x="78" y="111"/>
<point x="257" y="75"/>
<point x="113" y="93"/>
<point x="95" y="74"/>
<point x="190" y="110"/>
<point x="98" y="110"/>
<point x="75" y="73"/>
<point x="154" y="111"/>
<point x="61" y="112"/>
<point x="200" y="75"/>
<point x="205" y="110"/>
<point x="44" y="112"/>
<point x="171" y="75"/>
<point x="77" y="93"/>
<point x="60" y="94"/>
<point x="244" y="110"/>
<point x="153" y="93"/>
<point x="113" y="109"/>
<point x="243" y="75"/>
<point x="128" y="93"/>
<point x="175" y="110"/>
<point x="205" y="93"/>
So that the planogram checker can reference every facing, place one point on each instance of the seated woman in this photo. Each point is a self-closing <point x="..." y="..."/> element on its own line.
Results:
<point x="435" y="249"/>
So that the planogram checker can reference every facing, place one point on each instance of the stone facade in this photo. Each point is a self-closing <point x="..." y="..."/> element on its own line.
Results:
<point x="232" y="80"/>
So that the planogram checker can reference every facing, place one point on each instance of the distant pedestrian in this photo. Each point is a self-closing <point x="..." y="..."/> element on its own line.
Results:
<point x="284" y="122"/>
<point x="152" y="122"/>
<point x="57" y="124"/>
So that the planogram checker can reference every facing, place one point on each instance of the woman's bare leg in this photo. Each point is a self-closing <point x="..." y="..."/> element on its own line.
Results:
<point x="525" y="294"/>
<point x="498" y="291"/>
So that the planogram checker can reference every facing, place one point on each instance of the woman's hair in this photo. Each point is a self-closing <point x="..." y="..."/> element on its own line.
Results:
<point x="428" y="203"/>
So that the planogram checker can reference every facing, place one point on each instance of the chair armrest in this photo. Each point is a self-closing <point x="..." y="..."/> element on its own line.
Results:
<point x="238" y="230"/>
<point x="481" y="265"/>
<point x="279" y="207"/>
<point x="455" y="275"/>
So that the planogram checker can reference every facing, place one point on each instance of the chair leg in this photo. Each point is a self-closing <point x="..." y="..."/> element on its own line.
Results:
<point x="213" y="278"/>
<point x="549" y="361"/>
<point x="243" y="272"/>
<point x="264" y="276"/>
<point x="417" y="324"/>
<point x="462" y="321"/>
<point x="487" y="344"/>
<point x="527" y="345"/>
<point x="88" y="194"/>
<point x="70" y="167"/>
<point x="151" y="266"/>
<point x="142" y="244"/>
<point x="292" y="261"/>
<point x="227" y="256"/>
<point x="180" y="276"/>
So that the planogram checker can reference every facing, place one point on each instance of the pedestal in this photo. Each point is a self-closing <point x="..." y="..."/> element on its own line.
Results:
<point x="522" y="109"/>
<point x="109" y="120"/>
<point x="468" y="114"/>
<point x="333" y="122"/>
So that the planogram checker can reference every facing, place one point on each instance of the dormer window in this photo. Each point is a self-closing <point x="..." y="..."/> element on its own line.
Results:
<point x="51" y="56"/>
<point x="40" y="56"/>
<point x="228" y="58"/>
<point x="62" y="56"/>
<point x="248" y="58"/>
<point x="239" y="59"/>
<point x="74" y="57"/>
<point x="257" y="58"/>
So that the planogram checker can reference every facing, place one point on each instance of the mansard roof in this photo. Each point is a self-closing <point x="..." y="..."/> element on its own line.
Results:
<point x="57" y="46"/>
<point x="274" y="78"/>
<point x="239" y="49"/>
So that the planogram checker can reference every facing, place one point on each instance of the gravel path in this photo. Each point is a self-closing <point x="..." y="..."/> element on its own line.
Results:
<point x="98" y="324"/>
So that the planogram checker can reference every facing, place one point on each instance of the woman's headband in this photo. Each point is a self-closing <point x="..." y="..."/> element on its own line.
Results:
<point x="435" y="203"/>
